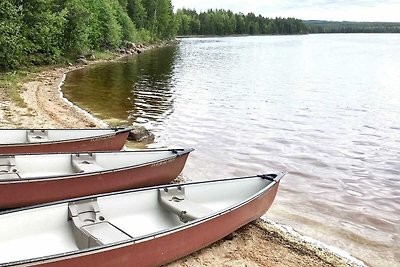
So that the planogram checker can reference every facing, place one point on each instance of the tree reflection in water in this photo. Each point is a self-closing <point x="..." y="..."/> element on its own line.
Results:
<point x="134" y="89"/>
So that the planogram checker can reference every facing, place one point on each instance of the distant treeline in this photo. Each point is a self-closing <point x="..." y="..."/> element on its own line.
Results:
<point x="45" y="31"/>
<point x="225" y="22"/>
<point x="316" y="26"/>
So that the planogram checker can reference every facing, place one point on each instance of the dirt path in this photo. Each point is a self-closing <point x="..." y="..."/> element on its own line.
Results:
<point x="253" y="245"/>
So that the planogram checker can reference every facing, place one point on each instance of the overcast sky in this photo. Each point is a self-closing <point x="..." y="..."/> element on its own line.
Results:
<point x="350" y="10"/>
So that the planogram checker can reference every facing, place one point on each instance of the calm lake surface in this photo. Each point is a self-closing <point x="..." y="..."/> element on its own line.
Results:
<point x="324" y="108"/>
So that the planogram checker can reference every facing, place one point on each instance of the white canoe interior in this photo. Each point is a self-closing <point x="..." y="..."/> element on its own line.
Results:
<point x="26" y="136"/>
<point x="118" y="217"/>
<point x="33" y="166"/>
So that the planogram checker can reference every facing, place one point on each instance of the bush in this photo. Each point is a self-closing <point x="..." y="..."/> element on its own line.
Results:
<point x="11" y="40"/>
<point x="128" y="28"/>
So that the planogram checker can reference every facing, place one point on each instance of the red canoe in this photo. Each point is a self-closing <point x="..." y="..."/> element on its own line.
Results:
<point x="143" y="227"/>
<point x="38" y="178"/>
<point x="14" y="141"/>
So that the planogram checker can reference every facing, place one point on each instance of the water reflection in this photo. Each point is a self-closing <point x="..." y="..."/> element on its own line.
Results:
<point x="135" y="89"/>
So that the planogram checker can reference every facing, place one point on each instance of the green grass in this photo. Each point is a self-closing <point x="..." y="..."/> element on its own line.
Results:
<point x="103" y="55"/>
<point x="11" y="82"/>
<point x="11" y="85"/>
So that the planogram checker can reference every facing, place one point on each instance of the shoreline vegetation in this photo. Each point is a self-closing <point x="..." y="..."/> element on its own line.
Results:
<point x="320" y="26"/>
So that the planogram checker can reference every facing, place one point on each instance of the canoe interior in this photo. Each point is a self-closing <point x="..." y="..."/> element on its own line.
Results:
<point x="26" y="136"/>
<point x="49" y="230"/>
<point x="50" y="165"/>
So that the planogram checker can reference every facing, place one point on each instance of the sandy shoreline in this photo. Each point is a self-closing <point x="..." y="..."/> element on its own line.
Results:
<point x="256" y="244"/>
<point x="44" y="106"/>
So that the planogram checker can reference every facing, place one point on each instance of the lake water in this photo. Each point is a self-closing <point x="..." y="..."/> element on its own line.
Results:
<point x="324" y="108"/>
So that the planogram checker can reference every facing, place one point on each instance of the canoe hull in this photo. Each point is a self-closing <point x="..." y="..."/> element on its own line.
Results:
<point x="38" y="191"/>
<point x="111" y="142"/>
<point x="164" y="249"/>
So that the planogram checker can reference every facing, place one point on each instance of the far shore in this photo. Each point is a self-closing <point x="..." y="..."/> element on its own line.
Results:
<point x="257" y="244"/>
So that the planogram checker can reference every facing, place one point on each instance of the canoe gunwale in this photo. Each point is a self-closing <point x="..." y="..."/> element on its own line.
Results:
<point x="154" y="235"/>
<point x="176" y="154"/>
<point x="100" y="136"/>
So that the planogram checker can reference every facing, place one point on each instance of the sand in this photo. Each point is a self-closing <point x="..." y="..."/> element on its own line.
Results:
<point x="44" y="105"/>
<point x="256" y="244"/>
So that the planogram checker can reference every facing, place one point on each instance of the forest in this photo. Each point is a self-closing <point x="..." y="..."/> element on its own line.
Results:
<point x="224" y="22"/>
<point x="317" y="26"/>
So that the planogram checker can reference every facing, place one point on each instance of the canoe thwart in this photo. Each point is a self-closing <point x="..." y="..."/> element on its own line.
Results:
<point x="7" y="168"/>
<point x="90" y="228"/>
<point x="85" y="163"/>
<point x="37" y="136"/>
<point x="175" y="201"/>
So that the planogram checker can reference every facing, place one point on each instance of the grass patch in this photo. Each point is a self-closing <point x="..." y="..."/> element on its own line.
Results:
<point x="103" y="55"/>
<point x="11" y="83"/>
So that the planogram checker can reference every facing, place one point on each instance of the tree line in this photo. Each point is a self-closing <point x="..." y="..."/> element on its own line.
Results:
<point x="46" y="31"/>
<point x="225" y="22"/>
<point x="316" y="26"/>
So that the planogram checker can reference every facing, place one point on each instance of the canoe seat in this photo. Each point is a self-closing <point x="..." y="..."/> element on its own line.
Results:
<point x="37" y="136"/>
<point x="85" y="163"/>
<point x="9" y="176"/>
<point x="90" y="228"/>
<point x="174" y="200"/>
<point x="7" y="168"/>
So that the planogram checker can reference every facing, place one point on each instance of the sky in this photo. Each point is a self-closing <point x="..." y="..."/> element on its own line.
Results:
<point x="337" y="10"/>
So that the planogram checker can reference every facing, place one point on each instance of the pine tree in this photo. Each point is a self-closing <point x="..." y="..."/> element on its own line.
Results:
<point x="137" y="13"/>
<point x="163" y="18"/>
<point x="110" y="29"/>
